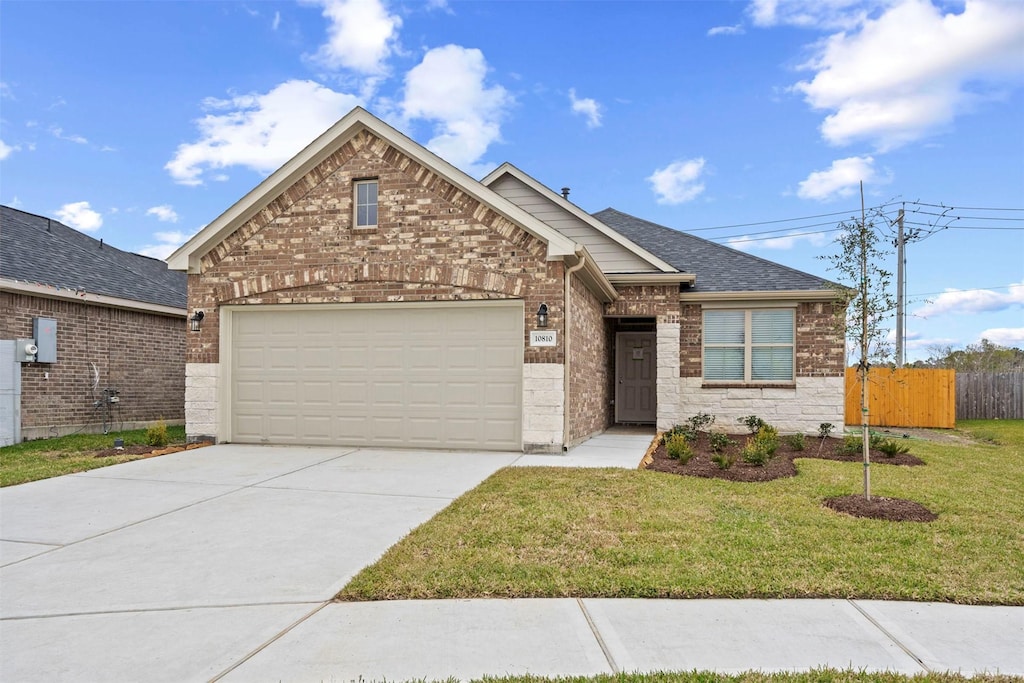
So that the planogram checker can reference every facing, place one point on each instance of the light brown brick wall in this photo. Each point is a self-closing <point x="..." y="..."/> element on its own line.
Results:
<point x="820" y="350"/>
<point x="433" y="243"/>
<point x="590" y="367"/>
<point x="655" y="301"/>
<point x="142" y="355"/>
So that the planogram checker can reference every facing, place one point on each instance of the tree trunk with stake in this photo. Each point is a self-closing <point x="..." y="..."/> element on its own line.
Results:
<point x="864" y="367"/>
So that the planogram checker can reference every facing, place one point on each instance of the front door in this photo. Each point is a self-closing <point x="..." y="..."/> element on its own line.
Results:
<point x="636" y="377"/>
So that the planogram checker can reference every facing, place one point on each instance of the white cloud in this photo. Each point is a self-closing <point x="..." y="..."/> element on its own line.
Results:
<point x="586" y="106"/>
<point x="58" y="133"/>
<point x="909" y="71"/>
<point x="259" y="131"/>
<point x="80" y="216"/>
<point x="361" y="35"/>
<point x="164" y="213"/>
<point x="6" y="150"/>
<point x="6" y="92"/>
<point x="167" y="242"/>
<point x="276" y="23"/>
<point x="1004" y="336"/>
<point x="828" y="14"/>
<point x="787" y="241"/>
<point x="678" y="182"/>
<point x="736" y="30"/>
<point x="958" y="301"/>
<point x="841" y="179"/>
<point x="448" y="87"/>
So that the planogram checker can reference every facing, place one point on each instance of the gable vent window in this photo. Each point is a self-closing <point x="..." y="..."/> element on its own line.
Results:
<point x="366" y="203"/>
<point x="749" y="346"/>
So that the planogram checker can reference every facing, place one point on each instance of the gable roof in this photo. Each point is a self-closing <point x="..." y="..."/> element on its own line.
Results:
<point x="719" y="268"/>
<point x="187" y="256"/>
<point x="565" y="205"/>
<point x="43" y="255"/>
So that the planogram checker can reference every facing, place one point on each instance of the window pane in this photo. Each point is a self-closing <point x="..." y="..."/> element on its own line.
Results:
<point x="361" y="193"/>
<point x="723" y="364"/>
<point x="371" y="214"/>
<point x="723" y="327"/>
<point x="771" y="363"/>
<point x="771" y="327"/>
<point x="361" y="217"/>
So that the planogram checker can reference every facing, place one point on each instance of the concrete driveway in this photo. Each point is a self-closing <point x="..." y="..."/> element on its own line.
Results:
<point x="187" y="564"/>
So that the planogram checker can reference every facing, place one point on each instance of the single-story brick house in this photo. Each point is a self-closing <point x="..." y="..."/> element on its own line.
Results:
<point x="109" y="326"/>
<point x="370" y="293"/>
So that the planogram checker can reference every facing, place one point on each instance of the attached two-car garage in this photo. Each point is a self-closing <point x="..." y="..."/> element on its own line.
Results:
<point x="433" y="375"/>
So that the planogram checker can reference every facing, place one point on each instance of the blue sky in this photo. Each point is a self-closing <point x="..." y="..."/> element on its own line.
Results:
<point x="140" y="122"/>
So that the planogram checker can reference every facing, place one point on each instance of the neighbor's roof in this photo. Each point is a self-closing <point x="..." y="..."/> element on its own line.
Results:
<point x="718" y="268"/>
<point x="36" y="250"/>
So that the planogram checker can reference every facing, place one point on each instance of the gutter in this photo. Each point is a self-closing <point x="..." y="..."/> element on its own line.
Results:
<point x="83" y="297"/>
<point x="567" y="318"/>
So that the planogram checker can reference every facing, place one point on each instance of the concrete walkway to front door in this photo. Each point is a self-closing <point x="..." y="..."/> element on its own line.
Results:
<point x="620" y="446"/>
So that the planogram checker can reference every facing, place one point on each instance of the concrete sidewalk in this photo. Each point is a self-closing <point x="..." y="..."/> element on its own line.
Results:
<point x="562" y="637"/>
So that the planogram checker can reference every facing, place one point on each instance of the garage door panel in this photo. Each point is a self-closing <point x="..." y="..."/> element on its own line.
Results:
<point x="447" y="376"/>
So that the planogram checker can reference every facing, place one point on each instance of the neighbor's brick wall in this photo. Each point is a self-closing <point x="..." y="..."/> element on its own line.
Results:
<point x="140" y="354"/>
<point x="591" y="364"/>
<point x="433" y="243"/>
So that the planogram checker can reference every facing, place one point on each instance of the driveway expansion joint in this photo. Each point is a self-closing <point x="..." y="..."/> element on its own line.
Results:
<point x="148" y="610"/>
<point x="890" y="636"/>
<point x="598" y="638"/>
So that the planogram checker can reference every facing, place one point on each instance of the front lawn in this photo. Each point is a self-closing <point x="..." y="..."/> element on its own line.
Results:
<point x="816" y="676"/>
<point x="554" y="532"/>
<point x="44" y="458"/>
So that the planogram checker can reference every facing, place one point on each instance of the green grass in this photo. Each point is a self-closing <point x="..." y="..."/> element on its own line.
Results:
<point x="44" y="458"/>
<point x="553" y="532"/>
<point x="815" y="676"/>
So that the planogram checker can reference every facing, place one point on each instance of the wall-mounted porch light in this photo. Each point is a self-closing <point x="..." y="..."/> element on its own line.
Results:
<point x="196" y="321"/>
<point x="542" y="316"/>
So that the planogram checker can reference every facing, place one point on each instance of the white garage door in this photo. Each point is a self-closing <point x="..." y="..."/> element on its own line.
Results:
<point x="403" y="375"/>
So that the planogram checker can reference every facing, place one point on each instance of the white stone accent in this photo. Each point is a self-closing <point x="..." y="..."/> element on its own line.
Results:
<point x="201" y="399"/>
<point x="801" y="409"/>
<point x="543" y="406"/>
<point x="668" y="374"/>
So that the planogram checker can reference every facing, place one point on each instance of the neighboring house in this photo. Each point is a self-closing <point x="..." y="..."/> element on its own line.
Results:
<point x="109" y="326"/>
<point x="368" y="293"/>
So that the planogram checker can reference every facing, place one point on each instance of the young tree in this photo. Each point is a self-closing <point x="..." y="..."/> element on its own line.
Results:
<point x="866" y="286"/>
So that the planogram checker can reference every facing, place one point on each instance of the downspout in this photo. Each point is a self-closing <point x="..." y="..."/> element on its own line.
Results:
<point x="565" y="343"/>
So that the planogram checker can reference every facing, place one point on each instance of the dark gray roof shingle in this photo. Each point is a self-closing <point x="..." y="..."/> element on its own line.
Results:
<point x="40" y="250"/>
<point x="718" y="268"/>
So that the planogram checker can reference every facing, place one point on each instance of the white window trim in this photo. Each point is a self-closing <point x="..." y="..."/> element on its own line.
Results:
<point x="355" y="203"/>
<point x="748" y="345"/>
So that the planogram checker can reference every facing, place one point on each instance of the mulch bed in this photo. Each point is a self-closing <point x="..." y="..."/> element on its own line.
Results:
<point x="782" y="465"/>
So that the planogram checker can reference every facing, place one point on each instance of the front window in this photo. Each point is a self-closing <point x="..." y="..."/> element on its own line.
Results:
<point x="749" y="345"/>
<point x="366" y="203"/>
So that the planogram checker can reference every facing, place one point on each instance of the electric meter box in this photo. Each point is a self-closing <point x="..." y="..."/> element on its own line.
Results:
<point x="45" y="332"/>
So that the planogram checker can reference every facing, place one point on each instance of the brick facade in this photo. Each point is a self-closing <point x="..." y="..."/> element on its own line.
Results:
<point x="591" y="366"/>
<point x="433" y="242"/>
<point x="142" y="355"/>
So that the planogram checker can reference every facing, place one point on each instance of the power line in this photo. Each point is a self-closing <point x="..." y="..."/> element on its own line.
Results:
<point x="963" y="208"/>
<point x="732" y="240"/>
<point x="785" y="220"/>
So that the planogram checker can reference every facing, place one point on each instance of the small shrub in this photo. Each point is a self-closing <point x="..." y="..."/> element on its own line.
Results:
<point x="761" y="448"/>
<point x="156" y="435"/>
<point x="824" y="429"/>
<point x="875" y="440"/>
<point x="678" y="448"/>
<point x="700" y="422"/>
<point x="851" y="445"/>
<point x="753" y="422"/>
<point x="797" y="441"/>
<point x="674" y="431"/>
<point x="891" y="448"/>
<point x="724" y="460"/>
<point x="719" y="442"/>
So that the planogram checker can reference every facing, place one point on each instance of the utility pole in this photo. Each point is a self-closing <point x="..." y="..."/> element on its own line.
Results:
<point x="900" y="301"/>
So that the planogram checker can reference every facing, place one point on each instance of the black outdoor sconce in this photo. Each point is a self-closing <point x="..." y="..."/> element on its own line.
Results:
<point x="196" y="321"/>
<point x="542" y="316"/>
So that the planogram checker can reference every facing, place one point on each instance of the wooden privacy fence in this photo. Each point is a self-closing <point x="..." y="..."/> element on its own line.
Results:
<point x="990" y="395"/>
<point x="905" y="397"/>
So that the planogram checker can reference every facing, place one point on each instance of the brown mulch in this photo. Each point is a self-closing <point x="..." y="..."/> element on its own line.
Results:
<point x="146" y="451"/>
<point x="700" y="465"/>
<point x="782" y="465"/>
<point x="889" y="509"/>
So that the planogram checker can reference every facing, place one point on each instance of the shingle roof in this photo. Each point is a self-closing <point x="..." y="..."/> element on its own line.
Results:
<point x="718" y="268"/>
<point x="39" y="250"/>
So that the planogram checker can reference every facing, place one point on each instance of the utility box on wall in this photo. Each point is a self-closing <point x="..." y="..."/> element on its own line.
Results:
<point x="45" y="332"/>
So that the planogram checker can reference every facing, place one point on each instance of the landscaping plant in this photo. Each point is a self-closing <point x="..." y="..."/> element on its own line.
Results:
<point x="891" y="448"/>
<point x="797" y="441"/>
<point x="156" y="435"/>
<point x="719" y="442"/>
<point x="753" y="422"/>
<point x="678" y="448"/>
<point x="724" y="460"/>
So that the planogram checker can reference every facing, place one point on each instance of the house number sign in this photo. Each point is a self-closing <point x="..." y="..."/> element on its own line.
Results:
<point x="543" y="338"/>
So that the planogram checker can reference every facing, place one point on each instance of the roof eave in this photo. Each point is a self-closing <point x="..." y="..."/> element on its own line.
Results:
<point x="764" y="295"/>
<point x="50" y="292"/>
<point x="652" y="278"/>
